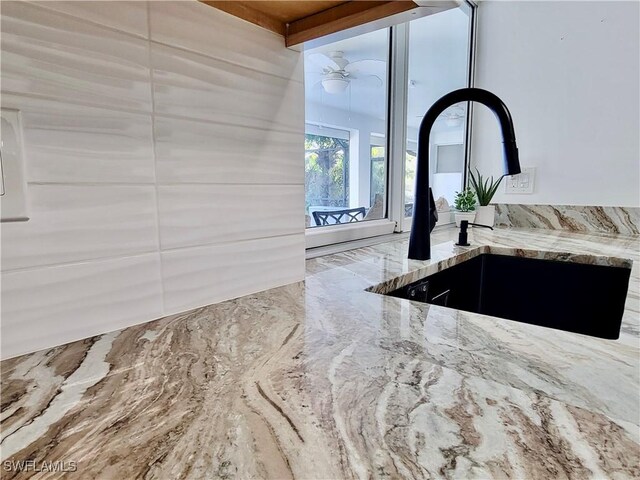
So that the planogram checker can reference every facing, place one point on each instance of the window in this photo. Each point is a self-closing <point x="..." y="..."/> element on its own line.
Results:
<point x="346" y="107"/>
<point x="438" y="63"/>
<point x="361" y="143"/>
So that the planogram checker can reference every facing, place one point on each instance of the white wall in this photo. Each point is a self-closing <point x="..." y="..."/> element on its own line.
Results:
<point x="569" y="73"/>
<point x="164" y="146"/>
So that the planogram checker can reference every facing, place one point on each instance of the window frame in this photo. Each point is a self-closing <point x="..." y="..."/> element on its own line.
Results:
<point x="395" y="145"/>
<point x="470" y="9"/>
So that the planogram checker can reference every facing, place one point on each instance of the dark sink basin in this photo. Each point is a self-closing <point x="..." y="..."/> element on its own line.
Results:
<point x="575" y="297"/>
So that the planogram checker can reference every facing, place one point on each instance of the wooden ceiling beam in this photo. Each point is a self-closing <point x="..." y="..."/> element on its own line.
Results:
<point x="343" y="17"/>
<point x="243" y="10"/>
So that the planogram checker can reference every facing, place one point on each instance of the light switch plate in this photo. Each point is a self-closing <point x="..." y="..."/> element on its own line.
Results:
<point x="13" y="201"/>
<point x="522" y="183"/>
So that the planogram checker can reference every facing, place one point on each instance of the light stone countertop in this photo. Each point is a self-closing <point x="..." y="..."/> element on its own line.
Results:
<point x="324" y="380"/>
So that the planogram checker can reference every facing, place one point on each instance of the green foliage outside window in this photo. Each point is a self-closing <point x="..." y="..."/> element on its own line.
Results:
<point x="326" y="170"/>
<point x="378" y="173"/>
<point x="410" y="176"/>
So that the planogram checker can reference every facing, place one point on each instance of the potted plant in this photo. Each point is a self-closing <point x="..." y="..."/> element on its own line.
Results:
<point x="485" y="190"/>
<point x="465" y="205"/>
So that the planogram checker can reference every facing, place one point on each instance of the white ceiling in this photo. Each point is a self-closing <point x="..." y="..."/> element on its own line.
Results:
<point x="437" y="65"/>
<point x="364" y="95"/>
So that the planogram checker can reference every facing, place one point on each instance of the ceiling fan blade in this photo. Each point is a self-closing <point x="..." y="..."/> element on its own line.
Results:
<point x="373" y="80"/>
<point x="323" y="61"/>
<point x="369" y="65"/>
<point x="454" y="111"/>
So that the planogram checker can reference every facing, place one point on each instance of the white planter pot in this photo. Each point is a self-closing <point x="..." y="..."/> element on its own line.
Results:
<point x="469" y="216"/>
<point x="486" y="215"/>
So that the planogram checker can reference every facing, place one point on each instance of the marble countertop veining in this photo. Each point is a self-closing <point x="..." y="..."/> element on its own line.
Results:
<point x="324" y="380"/>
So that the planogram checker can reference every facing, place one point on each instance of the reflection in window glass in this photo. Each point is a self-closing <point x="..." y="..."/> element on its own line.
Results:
<point x="378" y="173"/>
<point x="438" y="64"/>
<point x="409" y="180"/>
<point x="449" y="158"/>
<point x="345" y="109"/>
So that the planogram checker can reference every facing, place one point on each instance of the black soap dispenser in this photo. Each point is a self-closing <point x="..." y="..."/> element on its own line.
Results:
<point x="462" y="236"/>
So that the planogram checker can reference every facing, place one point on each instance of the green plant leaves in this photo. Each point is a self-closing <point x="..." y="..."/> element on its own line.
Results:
<point x="465" y="201"/>
<point x="485" y="189"/>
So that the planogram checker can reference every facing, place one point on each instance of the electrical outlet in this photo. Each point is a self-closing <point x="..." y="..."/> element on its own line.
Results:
<point x="521" y="183"/>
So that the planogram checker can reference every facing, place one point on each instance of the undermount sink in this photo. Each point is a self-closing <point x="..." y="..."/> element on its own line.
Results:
<point x="581" y="297"/>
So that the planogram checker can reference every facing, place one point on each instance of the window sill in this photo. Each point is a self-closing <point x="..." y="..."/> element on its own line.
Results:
<point x="364" y="242"/>
<point x="321" y="236"/>
<point x="444" y="218"/>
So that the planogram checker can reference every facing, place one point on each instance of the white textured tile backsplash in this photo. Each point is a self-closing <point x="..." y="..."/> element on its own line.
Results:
<point x="71" y="143"/>
<point x="163" y="174"/>
<point x="50" y="306"/>
<point x="130" y="17"/>
<point x="72" y="223"/>
<point x="193" y="85"/>
<point x="202" y="152"/>
<point x="210" y="274"/>
<point x="191" y="26"/>
<point x="202" y="214"/>
<point x="57" y="56"/>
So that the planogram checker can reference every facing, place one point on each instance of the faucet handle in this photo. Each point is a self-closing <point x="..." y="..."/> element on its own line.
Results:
<point x="462" y="236"/>
<point x="476" y="225"/>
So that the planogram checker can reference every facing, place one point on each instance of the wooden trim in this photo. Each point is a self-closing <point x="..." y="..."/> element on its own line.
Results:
<point x="245" y="12"/>
<point x="342" y="17"/>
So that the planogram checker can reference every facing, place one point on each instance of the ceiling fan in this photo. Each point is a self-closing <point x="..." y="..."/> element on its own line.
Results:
<point x="452" y="116"/>
<point x="338" y="72"/>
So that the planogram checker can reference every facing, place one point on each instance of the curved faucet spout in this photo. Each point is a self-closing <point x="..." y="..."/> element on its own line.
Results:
<point x="420" y="239"/>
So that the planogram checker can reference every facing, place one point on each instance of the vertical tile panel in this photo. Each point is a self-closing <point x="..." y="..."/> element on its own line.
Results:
<point x="71" y="223"/>
<point x="44" y="53"/>
<point x="130" y="17"/>
<point x="44" y="307"/>
<point x="200" y="276"/>
<point x="195" y="86"/>
<point x="72" y="143"/>
<point x="204" y="214"/>
<point x="207" y="30"/>
<point x="202" y="152"/>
